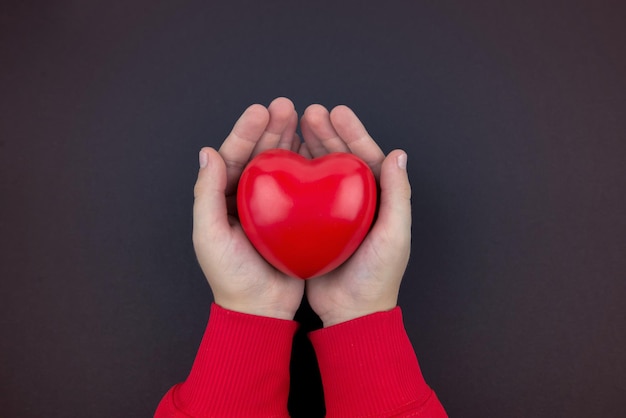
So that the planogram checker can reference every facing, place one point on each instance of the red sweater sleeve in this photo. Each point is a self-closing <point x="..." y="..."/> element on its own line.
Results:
<point x="369" y="369"/>
<point x="241" y="370"/>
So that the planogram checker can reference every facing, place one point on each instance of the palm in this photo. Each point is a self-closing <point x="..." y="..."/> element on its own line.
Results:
<point x="248" y="272"/>
<point x="360" y="282"/>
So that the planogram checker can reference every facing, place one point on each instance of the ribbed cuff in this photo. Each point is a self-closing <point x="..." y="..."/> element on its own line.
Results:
<point x="369" y="367"/>
<point x="241" y="369"/>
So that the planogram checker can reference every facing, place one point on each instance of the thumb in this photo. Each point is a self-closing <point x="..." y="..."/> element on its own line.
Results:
<point x="210" y="215"/>
<point x="395" y="195"/>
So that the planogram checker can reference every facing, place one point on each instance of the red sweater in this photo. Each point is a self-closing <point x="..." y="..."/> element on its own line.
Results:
<point x="368" y="369"/>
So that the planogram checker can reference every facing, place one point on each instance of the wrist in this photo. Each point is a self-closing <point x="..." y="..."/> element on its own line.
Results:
<point x="268" y="310"/>
<point x="339" y="317"/>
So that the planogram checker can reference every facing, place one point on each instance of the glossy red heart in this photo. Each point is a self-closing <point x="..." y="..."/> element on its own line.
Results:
<point x="306" y="217"/>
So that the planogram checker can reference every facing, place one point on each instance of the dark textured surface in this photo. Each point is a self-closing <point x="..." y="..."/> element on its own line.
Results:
<point x="513" y="117"/>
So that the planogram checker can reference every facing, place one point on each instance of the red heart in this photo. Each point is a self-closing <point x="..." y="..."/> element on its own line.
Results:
<point x="306" y="217"/>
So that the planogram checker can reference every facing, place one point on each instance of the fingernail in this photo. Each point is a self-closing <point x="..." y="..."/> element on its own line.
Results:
<point x="204" y="159"/>
<point x="401" y="160"/>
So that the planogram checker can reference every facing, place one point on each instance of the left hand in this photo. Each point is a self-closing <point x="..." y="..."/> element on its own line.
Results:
<point x="241" y="280"/>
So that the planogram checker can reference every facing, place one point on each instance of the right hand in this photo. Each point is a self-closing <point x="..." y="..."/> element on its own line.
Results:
<point x="369" y="281"/>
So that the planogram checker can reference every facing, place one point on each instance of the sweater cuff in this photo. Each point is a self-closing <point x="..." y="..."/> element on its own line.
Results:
<point x="241" y="369"/>
<point x="362" y="359"/>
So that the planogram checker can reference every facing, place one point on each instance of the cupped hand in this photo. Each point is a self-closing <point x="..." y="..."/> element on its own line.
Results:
<point x="369" y="281"/>
<point x="240" y="279"/>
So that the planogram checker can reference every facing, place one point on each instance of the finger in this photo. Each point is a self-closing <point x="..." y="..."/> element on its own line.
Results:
<point x="238" y="146"/>
<point x="304" y="151"/>
<point x="281" y="112"/>
<point x="318" y="120"/>
<point x="295" y="143"/>
<point x="288" y="137"/>
<point x="394" y="214"/>
<point x="314" y="144"/>
<point x="209" y="209"/>
<point x="354" y="134"/>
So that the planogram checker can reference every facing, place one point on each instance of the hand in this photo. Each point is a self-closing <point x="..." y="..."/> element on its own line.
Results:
<point x="369" y="281"/>
<point x="241" y="280"/>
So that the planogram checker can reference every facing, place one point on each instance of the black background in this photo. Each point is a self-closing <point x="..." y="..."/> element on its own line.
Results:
<point x="513" y="115"/>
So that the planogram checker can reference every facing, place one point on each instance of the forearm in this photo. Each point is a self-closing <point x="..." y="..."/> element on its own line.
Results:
<point x="241" y="369"/>
<point x="369" y="368"/>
